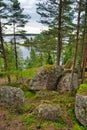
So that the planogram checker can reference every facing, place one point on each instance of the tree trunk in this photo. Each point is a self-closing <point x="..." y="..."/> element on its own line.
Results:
<point x="15" y="48"/>
<point x="2" y="50"/>
<point x="59" y="45"/>
<point x="85" y="45"/>
<point x="77" y="41"/>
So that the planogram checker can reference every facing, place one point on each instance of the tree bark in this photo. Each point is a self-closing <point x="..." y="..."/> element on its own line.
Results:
<point x="59" y="45"/>
<point x="2" y="50"/>
<point x="15" y="48"/>
<point x="85" y="45"/>
<point x="77" y="41"/>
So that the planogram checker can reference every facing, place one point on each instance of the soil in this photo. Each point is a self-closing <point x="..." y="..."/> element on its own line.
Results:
<point x="9" y="123"/>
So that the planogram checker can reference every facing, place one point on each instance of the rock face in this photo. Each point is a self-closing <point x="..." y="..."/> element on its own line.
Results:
<point x="64" y="84"/>
<point x="11" y="96"/>
<point x="49" y="112"/>
<point x="81" y="109"/>
<point x="47" y="78"/>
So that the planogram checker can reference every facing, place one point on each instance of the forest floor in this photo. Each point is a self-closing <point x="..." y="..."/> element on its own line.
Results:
<point x="14" y="119"/>
<point x="3" y="81"/>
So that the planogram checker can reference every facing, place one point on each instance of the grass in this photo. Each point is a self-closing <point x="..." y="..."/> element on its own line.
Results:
<point x="29" y="94"/>
<point x="32" y="100"/>
<point x="28" y="73"/>
<point x="32" y="122"/>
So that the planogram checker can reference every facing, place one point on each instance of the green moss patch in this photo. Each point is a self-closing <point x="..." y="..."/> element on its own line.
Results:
<point x="48" y="68"/>
<point x="82" y="89"/>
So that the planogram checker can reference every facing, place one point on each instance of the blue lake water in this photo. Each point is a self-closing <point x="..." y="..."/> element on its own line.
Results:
<point x="24" y="50"/>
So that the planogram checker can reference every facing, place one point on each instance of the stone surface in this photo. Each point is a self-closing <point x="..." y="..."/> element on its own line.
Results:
<point x="11" y="96"/>
<point x="49" y="111"/>
<point x="65" y="81"/>
<point x="81" y="109"/>
<point x="47" y="78"/>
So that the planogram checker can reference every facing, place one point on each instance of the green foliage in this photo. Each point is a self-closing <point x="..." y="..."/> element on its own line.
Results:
<point x="29" y="94"/>
<point x="29" y="120"/>
<point x="78" y="127"/>
<point x="82" y="89"/>
<point x="72" y="115"/>
<point x="29" y="73"/>
<point x="3" y="74"/>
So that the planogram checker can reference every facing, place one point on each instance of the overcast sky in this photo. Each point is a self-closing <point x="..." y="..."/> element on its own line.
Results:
<point x="30" y="8"/>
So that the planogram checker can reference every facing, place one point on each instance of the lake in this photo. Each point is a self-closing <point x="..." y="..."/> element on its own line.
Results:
<point x="25" y="50"/>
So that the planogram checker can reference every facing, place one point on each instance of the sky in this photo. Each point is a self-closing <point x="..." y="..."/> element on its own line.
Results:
<point x="30" y="8"/>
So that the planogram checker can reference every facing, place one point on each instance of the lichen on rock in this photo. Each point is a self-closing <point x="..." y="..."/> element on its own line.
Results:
<point x="48" y="111"/>
<point x="11" y="96"/>
<point x="81" y="105"/>
<point x="46" y="78"/>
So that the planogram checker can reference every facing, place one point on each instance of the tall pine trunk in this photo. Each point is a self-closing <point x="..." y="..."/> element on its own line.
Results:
<point x="59" y="45"/>
<point x="3" y="52"/>
<point x="15" y="48"/>
<point x="85" y="44"/>
<point x="77" y="41"/>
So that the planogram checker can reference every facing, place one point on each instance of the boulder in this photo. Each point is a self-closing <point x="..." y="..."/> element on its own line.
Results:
<point x="65" y="83"/>
<point x="11" y="96"/>
<point x="48" y="111"/>
<point x="81" y="109"/>
<point x="46" y="78"/>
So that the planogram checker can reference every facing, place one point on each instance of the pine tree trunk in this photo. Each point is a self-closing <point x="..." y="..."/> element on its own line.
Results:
<point x="4" y="53"/>
<point x="85" y="44"/>
<point x="15" y="48"/>
<point x="77" y="41"/>
<point x="59" y="45"/>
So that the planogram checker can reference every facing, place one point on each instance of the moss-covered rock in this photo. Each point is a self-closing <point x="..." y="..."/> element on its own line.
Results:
<point x="81" y="104"/>
<point x="65" y="83"/>
<point x="47" y="78"/>
<point x="49" y="111"/>
<point x="11" y="96"/>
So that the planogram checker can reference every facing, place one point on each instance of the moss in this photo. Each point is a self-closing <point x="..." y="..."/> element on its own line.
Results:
<point x="29" y="94"/>
<point x="78" y="127"/>
<point x="48" y="68"/>
<point x="68" y="64"/>
<point x="82" y="89"/>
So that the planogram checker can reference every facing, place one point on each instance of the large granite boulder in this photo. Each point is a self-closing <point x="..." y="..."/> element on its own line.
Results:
<point x="11" y="96"/>
<point x="64" y="84"/>
<point x="46" y="78"/>
<point x="48" y="111"/>
<point x="81" y="109"/>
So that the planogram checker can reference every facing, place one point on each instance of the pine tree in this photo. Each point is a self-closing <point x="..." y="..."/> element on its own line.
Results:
<point x="58" y="15"/>
<point x="77" y="40"/>
<point x="3" y="15"/>
<point x="17" y="19"/>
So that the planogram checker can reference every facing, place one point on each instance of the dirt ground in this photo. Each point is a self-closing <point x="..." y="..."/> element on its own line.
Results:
<point x="9" y="123"/>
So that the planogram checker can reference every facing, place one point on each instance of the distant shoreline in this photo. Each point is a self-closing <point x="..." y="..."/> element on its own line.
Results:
<point x="27" y="34"/>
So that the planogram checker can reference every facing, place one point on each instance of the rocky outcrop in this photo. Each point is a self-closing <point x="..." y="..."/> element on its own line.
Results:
<point x="49" y="111"/>
<point x="11" y="96"/>
<point x="47" y="78"/>
<point x="65" y="83"/>
<point x="81" y="109"/>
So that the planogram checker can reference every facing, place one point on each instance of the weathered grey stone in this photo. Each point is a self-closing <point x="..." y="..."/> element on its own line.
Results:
<point x="81" y="109"/>
<point x="46" y="78"/>
<point x="49" y="111"/>
<point x="65" y="83"/>
<point x="10" y="96"/>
